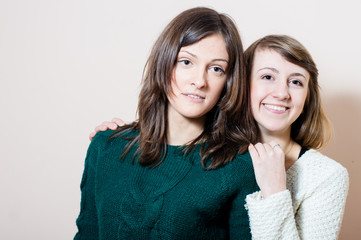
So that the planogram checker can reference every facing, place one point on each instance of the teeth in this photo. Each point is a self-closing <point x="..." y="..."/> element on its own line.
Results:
<point x="194" y="96"/>
<point x="278" y="108"/>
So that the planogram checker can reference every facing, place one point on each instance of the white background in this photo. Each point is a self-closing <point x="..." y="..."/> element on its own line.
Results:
<point x="68" y="65"/>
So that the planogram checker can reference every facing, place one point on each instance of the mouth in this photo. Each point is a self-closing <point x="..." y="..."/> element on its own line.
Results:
<point x="275" y="108"/>
<point x="194" y="96"/>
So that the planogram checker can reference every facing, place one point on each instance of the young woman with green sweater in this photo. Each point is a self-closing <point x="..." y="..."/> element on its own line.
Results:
<point x="176" y="172"/>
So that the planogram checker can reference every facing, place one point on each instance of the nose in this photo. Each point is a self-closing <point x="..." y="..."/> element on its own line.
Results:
<point x="281" y="90"/>
<point x="200" y="79"/>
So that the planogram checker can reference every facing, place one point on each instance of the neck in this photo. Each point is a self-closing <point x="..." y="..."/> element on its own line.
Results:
<point x="283" y="138"/>
<point x="181" y="131"/>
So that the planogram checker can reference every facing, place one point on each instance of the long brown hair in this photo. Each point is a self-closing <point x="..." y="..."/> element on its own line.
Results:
<point x="222" y="135"/>
<point x="312" y="128"/>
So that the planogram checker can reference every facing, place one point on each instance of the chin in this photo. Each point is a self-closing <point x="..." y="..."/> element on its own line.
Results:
<point x="273" y="128"/>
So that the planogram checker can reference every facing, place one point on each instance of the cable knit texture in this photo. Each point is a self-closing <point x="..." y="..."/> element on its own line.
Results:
<point x="176" y="200"/>
<point x="312" y="206"/>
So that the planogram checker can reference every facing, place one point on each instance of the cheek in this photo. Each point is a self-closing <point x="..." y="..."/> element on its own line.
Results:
<point x="178" y="79"/>
<point x="174" y="91"/>
<point x="299" y="103"/>
<point x="256" y="96"/>
<point x="221" y="87"/>
<point x="218" y="87"/>
<point x="301" y="99"/>
<point x="174" y="87"/>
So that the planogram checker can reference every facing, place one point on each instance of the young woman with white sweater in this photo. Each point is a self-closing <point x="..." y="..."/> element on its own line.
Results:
<point x="303" y="192"/>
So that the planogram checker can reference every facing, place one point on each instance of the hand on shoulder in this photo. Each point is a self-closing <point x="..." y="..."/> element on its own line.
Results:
<point x="113" y="124"/>
<point x="269" y="166"/>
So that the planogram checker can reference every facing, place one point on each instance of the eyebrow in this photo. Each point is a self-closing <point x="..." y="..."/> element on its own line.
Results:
<point x="276" y="71"/>
<point x="269" y="68"/>
<point x="298" y="74"/>
<point x="213" y="60"/>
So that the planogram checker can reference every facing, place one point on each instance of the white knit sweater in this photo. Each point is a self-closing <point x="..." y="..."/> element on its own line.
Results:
<point x="312" y="206"/>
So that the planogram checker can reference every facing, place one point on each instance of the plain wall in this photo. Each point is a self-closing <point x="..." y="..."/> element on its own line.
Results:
<point x="68" y="65"/>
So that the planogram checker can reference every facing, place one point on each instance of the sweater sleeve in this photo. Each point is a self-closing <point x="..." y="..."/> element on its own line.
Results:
<point x="238" y="220"/>
<point x="272" y="218"/>
<point x="318" y="216"/>
<point x="87" y="219"/>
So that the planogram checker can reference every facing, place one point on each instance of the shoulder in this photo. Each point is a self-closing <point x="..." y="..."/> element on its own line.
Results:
<point x="241" y="168"/>
<point x="97" y="144"/>
<point x="110" y="135"/>
<point x="103" y="134"/>
<point x="110" y="138"/>
<point x="101" y="138"/>
<point x="239" y="162"/>
<point x="317" y="168"/>
<point x="243" y="160"/>
<point x="321" y="163"/>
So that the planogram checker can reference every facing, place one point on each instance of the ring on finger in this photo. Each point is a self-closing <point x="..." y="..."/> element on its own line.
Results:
<point x="277" y="145"/>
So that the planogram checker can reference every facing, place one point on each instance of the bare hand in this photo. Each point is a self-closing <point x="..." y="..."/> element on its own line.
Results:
<point x="107" y="125"/>
<point x="269" y="167"/>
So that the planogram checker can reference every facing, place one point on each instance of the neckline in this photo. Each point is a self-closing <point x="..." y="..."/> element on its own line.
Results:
<point x="297" y="162"/>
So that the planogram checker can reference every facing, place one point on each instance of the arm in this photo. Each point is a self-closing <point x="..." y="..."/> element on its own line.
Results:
<point x="272" y="218"/>
<point x="238" y="219"/>
<point x="87" y="219"/>
<point x="318" y="216"/>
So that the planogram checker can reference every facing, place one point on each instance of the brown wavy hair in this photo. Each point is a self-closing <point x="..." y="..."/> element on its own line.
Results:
<point x="222" y="135"/>
<point x="312" y="128"/>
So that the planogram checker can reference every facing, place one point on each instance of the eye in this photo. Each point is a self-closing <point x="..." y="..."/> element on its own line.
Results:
<point x="267" y="77"/>
<point x="296" y="83"/>
<point x="185" y="62"/>
<point x="217" y="69"/>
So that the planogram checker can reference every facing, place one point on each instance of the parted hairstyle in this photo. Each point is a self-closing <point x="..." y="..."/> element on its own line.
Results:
<point x="312" y="128"/>
<point x="222" y="135"/>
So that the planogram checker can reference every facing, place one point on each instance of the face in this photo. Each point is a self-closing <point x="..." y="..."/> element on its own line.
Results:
<point x="198" y="78"/>
<point x="278" y="91"/>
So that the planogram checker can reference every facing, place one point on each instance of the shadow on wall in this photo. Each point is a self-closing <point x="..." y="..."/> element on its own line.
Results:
<point x="344" y="112"/>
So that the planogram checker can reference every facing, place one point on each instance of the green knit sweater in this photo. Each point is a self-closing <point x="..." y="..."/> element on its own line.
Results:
<point x="176" y="200"/>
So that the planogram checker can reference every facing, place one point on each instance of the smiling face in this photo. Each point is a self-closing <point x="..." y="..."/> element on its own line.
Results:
<point x="278" y="91"/>
<point x="198" y="78"/>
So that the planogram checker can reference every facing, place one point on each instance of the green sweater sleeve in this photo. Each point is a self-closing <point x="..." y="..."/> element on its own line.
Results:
<point x="238" y="220"/>
<point x="87" y="219"/>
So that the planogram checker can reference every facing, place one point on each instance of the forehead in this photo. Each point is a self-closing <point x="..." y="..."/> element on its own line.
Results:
<point x="212" y="46"/>
<point x="269" y="58"/>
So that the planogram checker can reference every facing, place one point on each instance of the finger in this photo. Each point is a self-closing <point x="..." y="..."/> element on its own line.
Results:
<point x="118" y="121"/>
<point x="112" y="126"/>
<point x="268" y="147"/>
<point x="91" y="136"/>
<point x="109" y="125"/>
<point x="254" y="154"/>
<point x="101" y="128"/>
<point x="276" y="146"/>
<point x="105" y="123"/>
<point x="260" y="149"/>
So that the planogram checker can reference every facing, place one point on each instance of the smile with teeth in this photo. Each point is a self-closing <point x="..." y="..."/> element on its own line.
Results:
<point x="276" y="108"/>
<point x="194" y="96"/>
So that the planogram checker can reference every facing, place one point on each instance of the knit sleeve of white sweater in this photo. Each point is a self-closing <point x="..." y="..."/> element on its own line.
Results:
<point x="312" y="206"/>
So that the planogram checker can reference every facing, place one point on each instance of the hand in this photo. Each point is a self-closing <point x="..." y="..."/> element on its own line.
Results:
<point x="107" y="125"/>
<point x="269" y="167"/>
